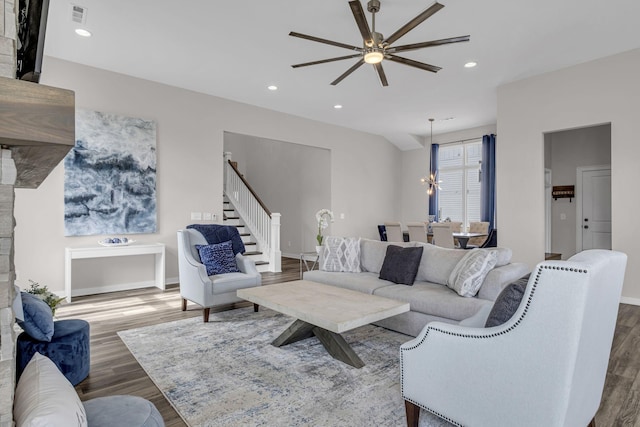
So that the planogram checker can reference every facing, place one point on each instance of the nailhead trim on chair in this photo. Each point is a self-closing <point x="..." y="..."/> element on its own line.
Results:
<point x="483" y="336"/>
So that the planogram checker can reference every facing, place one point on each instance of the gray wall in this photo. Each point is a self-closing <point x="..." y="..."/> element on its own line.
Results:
<point x="597" y="92"/>
<point x="569" y="150"/>
<point x="190" y="132"/>
<point x="291" y="179"/>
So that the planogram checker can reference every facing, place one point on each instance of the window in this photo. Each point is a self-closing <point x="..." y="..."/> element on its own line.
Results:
<point x="459" y="171"/>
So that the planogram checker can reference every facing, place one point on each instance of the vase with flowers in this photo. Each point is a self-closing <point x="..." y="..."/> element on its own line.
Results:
<point x="323" y="218"/>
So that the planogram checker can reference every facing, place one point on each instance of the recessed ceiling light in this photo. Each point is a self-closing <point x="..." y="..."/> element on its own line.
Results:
<point x="337" y="106"/>
<point x="82" y="32"/>
<point x="470" y="64"/>
<point x="448" y="118"/>
<point x="272" y="87"/>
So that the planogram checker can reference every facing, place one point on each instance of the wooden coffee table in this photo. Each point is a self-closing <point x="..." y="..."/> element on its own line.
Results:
<point x="324" y="311"/>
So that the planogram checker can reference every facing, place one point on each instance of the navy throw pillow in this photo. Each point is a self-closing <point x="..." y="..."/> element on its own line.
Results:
<point x="218" y="258"/>
<point x="38" y="318"/>
<point x="401" y="264"/>
<point x="507" y="302"/>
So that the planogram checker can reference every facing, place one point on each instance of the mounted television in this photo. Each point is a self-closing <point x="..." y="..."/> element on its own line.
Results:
<point x="32" y="26"/>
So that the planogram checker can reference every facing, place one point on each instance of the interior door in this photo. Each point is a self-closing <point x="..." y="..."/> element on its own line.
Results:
<point x="596" y="209"/>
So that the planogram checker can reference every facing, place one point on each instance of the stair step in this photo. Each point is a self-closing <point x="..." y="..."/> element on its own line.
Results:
<point x="228" y="210"/>
<point x="262" y="262"/>
<point x="249" y="243"/>
<point x="252" y="253"/>
<point x="245" y="234"/>
<point x="232" y="217"/>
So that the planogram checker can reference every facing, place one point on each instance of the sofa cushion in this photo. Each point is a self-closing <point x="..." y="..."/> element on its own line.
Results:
<point x="468" y="275"/>
<point x="507" y="302"/>
<point x="503" y="256"/>
<point x="433" y="299"/>
<point x="44" y="397"/>
<point x="341" y="254"/>
<point x="437" y="263"/>
<point x="372" y="253"/>
<point x="401" y="264"/>
<point x="38" y="318"/>
<point x="218" y="258"/>
<point x="365" y="282"/>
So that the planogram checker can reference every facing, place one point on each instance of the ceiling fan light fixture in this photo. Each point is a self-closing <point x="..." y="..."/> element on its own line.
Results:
<point x="373" y="57"/>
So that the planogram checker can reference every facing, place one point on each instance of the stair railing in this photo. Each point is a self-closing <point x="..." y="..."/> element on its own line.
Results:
<point x="263" y="224"/>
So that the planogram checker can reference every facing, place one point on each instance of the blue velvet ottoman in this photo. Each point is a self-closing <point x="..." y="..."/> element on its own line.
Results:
<point x="68" y="349"/>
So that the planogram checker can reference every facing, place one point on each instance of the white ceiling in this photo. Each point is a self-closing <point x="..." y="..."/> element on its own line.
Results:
<point x="235" y="49"/>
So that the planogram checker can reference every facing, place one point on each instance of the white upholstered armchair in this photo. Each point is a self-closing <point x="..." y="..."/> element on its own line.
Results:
<point x="546" y="366"/>
<point x="209" y="291"/>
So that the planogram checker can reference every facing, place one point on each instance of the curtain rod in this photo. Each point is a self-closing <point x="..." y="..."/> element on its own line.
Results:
<point x="461" y="141"/>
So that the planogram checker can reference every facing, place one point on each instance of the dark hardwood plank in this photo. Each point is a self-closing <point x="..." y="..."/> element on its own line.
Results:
<point x="115" y="371"/>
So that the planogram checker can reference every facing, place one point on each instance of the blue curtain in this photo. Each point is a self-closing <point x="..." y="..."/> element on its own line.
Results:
<point x="488" y="183"/>
<point x="433" y="169"/>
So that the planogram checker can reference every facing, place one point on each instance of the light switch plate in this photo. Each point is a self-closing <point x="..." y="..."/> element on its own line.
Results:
<point x="206" y="216"/>
<point x="196" y="216"/>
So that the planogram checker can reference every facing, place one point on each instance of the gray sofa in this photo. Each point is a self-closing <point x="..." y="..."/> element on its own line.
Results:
<point x="429" y="297"/>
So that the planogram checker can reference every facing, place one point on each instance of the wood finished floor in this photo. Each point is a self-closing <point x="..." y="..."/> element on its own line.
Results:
<point x="115" y="371"/>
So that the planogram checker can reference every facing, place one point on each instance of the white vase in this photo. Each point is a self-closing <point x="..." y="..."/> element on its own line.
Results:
<point x="319" y="249"/>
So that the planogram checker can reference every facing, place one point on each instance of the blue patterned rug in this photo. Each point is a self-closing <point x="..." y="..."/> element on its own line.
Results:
<point x="226" y="373"/>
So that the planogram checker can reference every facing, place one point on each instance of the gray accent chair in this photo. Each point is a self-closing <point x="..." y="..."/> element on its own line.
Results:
<point x="545" y="366"/>
<point x="210" y="291"/>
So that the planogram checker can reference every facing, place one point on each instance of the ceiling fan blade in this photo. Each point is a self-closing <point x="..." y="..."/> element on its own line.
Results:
<point x="414" y="22"/>
<point x="361" y="20"/>
<point x="349" y="71"/>
<point x="431" y="43"/>
<point x="383" y="77"/>
<point x="412" y="63"/>
<point x="322" y="61"/>
<point x="325" y="41"/>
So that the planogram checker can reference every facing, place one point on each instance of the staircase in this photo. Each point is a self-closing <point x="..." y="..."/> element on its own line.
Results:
<point x="231" y="217"/>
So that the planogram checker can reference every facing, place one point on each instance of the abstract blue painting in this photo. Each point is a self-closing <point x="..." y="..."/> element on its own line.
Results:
<point x="110" y="176"/>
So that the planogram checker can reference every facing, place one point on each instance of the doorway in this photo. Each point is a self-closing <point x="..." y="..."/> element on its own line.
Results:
<point x="567" y="154"/>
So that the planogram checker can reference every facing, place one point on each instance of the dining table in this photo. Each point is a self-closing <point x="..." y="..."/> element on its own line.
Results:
<point x="462" y="237"/>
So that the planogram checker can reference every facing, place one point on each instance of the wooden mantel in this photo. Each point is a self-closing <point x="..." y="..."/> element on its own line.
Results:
<point x="37" y="123"/>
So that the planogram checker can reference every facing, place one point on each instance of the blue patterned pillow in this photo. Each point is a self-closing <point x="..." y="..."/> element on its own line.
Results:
<point x="38" y="319"/>
<point x="218" y="258"/>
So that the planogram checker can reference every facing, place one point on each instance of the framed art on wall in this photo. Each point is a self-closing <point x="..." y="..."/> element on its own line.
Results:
<point x="110" y="176"/>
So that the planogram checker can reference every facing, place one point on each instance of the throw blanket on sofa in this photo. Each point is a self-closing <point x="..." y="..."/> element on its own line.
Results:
<point x="215" y="233"/>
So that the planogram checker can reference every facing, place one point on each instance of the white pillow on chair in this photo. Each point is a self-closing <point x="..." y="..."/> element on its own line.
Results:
<point x="44" y="397"/>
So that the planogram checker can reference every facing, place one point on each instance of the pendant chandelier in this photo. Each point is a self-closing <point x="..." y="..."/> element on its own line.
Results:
<point x="431" y="181"/>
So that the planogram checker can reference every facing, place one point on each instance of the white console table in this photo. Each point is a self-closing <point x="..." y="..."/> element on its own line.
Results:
<point x="156" y="249"/>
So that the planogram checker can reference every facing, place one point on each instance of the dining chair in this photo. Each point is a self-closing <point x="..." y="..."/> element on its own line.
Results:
<point x="442" y="235"/>
<point x="456" y="226"/>
<point x="478" y="227"/>
<point x="394" y="232"/>
<point x="417" y="231"/>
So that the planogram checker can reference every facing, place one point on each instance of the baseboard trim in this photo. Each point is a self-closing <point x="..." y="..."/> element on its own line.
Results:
<point x="630" y="301"/>
<point x="113" y="288"/>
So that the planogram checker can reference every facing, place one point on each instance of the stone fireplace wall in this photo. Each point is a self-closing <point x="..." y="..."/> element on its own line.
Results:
<point x="8" y="25"/>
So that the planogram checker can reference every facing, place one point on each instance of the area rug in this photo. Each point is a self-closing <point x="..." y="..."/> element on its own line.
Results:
<point x="226" y="373"/>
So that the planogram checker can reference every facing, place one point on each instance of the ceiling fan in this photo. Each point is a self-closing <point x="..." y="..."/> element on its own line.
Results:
<point x="375" y="47"/>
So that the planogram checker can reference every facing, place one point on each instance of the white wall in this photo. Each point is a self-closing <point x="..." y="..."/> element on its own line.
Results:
<point x="598" y="92"/>
<point x="569" y="150"/>
<point x="415" y="165"/>
<point x="291" y="179"/>
<point x="190" y="128"/>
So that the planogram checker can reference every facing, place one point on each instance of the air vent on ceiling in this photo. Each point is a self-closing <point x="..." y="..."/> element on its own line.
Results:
<point x="78" y="14"/>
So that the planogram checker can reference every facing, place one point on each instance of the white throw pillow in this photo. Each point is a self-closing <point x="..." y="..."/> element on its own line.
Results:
<point x="468" y="275"/>
<point x="45" y="398"/>
<point x="341" y="254"/>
